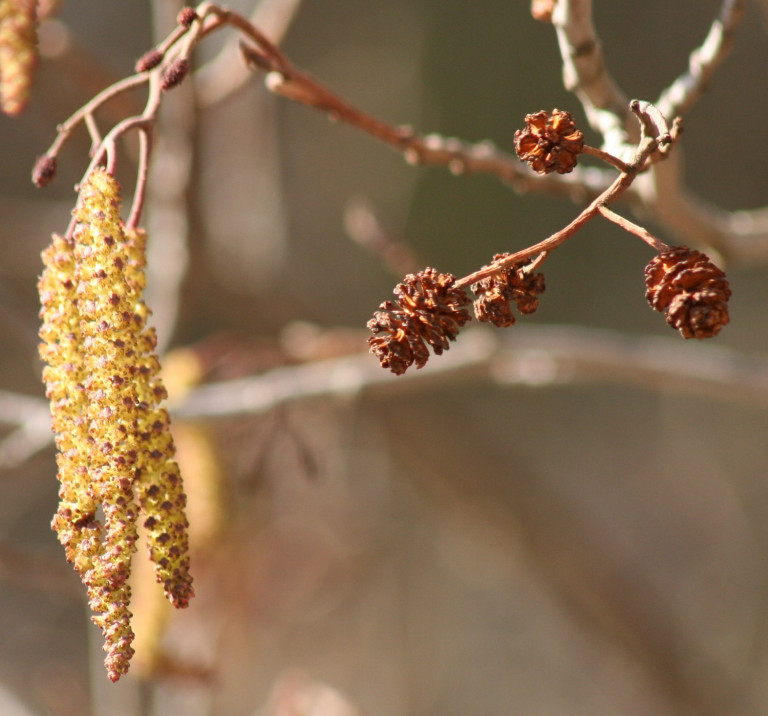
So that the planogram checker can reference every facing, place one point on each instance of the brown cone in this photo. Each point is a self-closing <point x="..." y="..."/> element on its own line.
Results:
<point x="549" y="142"/>
<point x="691" y="291"/>
<point x="427" y="310"/>
<point x="495" y="294"/>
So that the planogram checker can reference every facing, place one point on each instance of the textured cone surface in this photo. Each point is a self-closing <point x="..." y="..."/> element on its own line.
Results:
<point x="690" y="290"/>
<point x="427" y="310"/>
<point x="550" y="142"/>
<point x="496" y="293"/>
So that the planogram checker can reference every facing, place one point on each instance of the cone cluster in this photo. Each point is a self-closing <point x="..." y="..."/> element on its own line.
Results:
<point x="496" y="293"/>
<point x="115" y="452"/>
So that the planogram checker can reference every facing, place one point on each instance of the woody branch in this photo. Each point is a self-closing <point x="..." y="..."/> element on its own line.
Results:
<point x="740" y="237"/>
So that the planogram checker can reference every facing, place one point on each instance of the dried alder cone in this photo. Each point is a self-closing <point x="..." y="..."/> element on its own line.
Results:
<point x="18" y="53"/>
<point x="690" y="290"/>
<point x="550" y="142"/>
<point x="513" y="283"/>
<point x="428" y="310"/>
<point x="115" y="452"/>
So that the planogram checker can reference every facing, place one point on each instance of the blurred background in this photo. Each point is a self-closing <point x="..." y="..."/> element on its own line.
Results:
<point x="457" y="544"/>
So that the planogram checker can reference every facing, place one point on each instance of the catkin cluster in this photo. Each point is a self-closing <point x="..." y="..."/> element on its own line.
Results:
<point x="115" y="449"/>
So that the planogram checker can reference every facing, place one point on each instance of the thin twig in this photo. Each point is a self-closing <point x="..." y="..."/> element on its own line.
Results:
<point x="648" y="145"/>
<point x="145" y="150"/>
<point x="739" y="237"/>
<point x="606" y="157"/>
<point x="65" y="129"/>
<point x="166" y="195"/>
<point x="585" y="73"/>
<point x="684" y="92"/>
<point x="633" y="228"/>
<point x="460" y="157"/>
<point x="537" y="356"/>
<point x="225" y="74"/>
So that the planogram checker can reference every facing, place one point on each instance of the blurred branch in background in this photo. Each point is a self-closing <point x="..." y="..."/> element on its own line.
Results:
<point x="535" y="356"/>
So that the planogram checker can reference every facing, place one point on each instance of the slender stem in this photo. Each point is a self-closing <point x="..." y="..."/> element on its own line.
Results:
<point x="606" y="157"/>
<point x="145" y="151"/>
<point x="540" y="259"/>
<point x="93" y="130"/>
<point x="172" y="38"/>
<point x="461" y="157"/>
<point x="646" y="147"/>
<point x="685" y="91"/>
<point x="546" y="246"/>
<point x="633" y="228"/>
<point x="66" y="128"/>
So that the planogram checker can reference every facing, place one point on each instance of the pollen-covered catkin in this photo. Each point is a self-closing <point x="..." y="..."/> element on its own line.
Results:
<point x="159" y="487"/>
<point x="75" y="521"/>
<point x="109" y="331"/>
<point x="18" y="53"/>
<point x="115" y="448"/>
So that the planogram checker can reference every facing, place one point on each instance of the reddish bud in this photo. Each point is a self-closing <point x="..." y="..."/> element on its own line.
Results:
<point x="149" y="60"/>
<point x="175" y="73"/>
<point x="44" y="171"/>
<point x="186" y="16"/>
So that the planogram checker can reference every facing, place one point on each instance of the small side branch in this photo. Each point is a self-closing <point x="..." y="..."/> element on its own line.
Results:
<point x="655" y="135"/>
<point x="586" y="74"/>
<point x="683" y="93"/>
<point x="633" y="228"/>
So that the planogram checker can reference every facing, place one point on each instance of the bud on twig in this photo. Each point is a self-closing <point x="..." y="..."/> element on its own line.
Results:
<point x="175" y="73"/>
<point x="44" y="171"/>
<point x="186" y="16"/>
<point x="149" y="60"/>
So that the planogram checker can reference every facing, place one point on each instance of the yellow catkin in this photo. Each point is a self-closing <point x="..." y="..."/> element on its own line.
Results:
<point x="159" y="485"/>
<point x="109" y="331"/>
<point x="75" y="521"/>
<point x="18" y="53"/>
<point x="113" y="436"/>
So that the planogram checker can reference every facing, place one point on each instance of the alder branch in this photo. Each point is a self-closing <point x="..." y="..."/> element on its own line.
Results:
<point x="536" y="356"/>
<point x="225" y="74"/>
<point x="286" y="79"/>
<point x="740" y="237"/>
<point x="686" y="90"/>
<point x="655" y="137"/>
<point x="460" y="157"/>
<point x="586" y="75"/>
